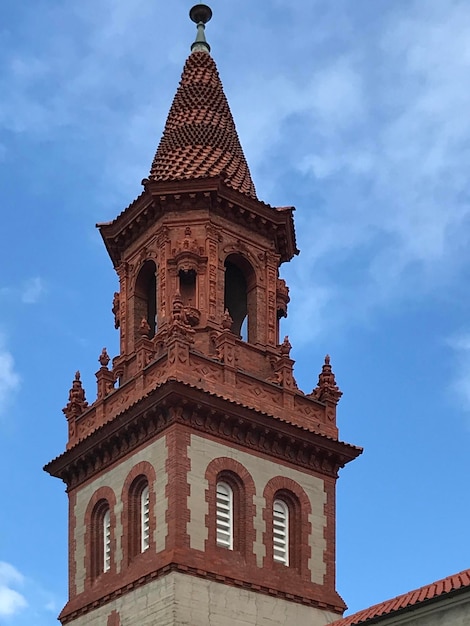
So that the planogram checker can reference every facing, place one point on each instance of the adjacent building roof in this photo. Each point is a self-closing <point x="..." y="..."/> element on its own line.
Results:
<point x="412" y="599"/>
<point x="200" y="139"/>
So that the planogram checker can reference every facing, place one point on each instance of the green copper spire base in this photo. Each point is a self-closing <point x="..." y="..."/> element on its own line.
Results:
<point x="200" y="14"/>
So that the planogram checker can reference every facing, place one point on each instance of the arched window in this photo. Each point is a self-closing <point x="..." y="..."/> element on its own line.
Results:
<point x="145" y="298"/>
<point x="240" y="296"/>
<point x="145" y="519"/>
<point x="231" y="509"/>
<point x="138" y="535"/>
<point x="288" y="529"/>
<point x="224" y="515"/>
<point x="100" y="539"/>
<point x="280" y="532"/>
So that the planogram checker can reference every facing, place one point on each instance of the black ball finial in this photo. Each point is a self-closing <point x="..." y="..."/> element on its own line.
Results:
<point x="200" y="13"/>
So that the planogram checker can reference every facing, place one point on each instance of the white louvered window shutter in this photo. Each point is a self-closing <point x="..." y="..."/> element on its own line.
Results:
<point x="224" y="512"/>
<point x="145" y="519"/>
<point x="281" y="532"/>
<point x="106" y="541"/>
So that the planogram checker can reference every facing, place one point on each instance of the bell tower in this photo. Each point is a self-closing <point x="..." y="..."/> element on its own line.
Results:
<point x="201" y="480"/>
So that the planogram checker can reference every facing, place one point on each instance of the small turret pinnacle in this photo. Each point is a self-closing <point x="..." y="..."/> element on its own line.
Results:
<point x="327" y="389"/>
<point x="200" y="14"/>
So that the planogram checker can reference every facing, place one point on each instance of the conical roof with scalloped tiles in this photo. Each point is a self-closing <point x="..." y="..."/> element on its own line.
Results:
<point x="200" y="139"/>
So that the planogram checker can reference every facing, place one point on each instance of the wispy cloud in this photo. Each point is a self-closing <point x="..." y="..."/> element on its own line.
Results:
<point x="51" y="606"/>
<point x="380" y="138"/>
<point x="29" y="291"/>
<point x="32" y="290"/>
<point x="9" y="377"/>
<point x="11" y="600"/>
<point x="459" y="387"/>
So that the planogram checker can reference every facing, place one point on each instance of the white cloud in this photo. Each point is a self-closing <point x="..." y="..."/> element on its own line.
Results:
<point x="11" y="600"/>
<point x="32" y="290"/>
<point x="9" y="380"/>
<point x="19" y="593"/>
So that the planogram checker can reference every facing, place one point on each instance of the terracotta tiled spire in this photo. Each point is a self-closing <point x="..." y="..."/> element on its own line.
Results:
<point x="200" y="139"/>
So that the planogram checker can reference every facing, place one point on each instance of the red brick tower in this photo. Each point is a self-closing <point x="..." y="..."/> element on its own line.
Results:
<point x="201" y="481"/>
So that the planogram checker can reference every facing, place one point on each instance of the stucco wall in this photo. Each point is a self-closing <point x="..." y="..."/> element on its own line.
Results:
<point x="203" y="451"/>
<point x="183" y="600"/>
<point x="156" y="455"/>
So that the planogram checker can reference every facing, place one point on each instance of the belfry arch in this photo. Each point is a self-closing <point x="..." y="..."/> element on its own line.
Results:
<point x="145" y="298"/>
<point x="240" y="296"/>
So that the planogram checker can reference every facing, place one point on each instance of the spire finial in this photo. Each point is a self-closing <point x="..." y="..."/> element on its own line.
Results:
<point x="200" y="15"/>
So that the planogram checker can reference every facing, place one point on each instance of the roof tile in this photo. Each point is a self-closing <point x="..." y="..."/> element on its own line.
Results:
<point x="406" y="600"/>
<point x="200" y="139"/>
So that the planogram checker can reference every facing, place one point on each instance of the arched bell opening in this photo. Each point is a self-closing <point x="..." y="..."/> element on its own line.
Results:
<point x="188" y="287"/>
<point x="240" y="296"/>
<point x="145" y="299"/>
<point x="279" y="316"/>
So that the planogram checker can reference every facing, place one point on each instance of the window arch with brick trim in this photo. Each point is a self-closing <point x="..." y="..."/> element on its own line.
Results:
<point x="231" y="474"/>
<point x="100" y="534"/>
<point x="286" y="518"/>
<point x="138" y="512"/>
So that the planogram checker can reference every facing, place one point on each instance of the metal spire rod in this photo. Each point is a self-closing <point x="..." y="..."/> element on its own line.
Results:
<point x="200" y="14"/>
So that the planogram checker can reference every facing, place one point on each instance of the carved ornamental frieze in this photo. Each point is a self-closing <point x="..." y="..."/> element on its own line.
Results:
<point x="279" y="397"/>
<point x="188" y="254"/>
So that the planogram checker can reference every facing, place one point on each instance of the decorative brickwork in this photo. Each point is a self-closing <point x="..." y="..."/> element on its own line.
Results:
<point x="72" y="544"/>
<point x="329" y="533"/>
<point x="177" y="490"/>
<point x="113" y="619"/>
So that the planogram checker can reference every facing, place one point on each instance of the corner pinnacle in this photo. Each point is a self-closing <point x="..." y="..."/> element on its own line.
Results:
<point x="200" y="14"/>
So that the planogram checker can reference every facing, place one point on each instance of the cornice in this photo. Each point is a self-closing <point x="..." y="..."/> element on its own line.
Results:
<point x="129" y="225"/>
<point x="67" y="616"/>
<point x="261" y="217"/>
<point x="175" y="402"/>
<point x="210" y="193"/>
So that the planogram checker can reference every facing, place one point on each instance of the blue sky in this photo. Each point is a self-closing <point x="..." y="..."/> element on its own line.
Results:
<point x="356" y="113"/>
